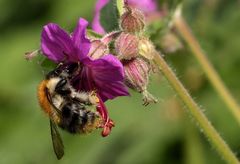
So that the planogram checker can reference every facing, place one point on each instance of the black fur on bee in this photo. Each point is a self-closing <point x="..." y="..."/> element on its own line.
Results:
<point x="75" y="117"/>
<point x="67" y="71"/>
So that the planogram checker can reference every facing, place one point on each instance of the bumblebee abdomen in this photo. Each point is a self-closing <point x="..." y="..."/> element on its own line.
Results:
<point x="76" y="119"/>
<point x="93" y="122"/>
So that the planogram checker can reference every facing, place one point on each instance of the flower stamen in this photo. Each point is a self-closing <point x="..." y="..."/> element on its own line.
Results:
<point x="108" y="123"/>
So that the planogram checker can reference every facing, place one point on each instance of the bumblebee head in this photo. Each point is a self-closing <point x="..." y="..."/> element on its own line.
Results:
<point x="54" y="73"/>
<point x="63" y="70"/>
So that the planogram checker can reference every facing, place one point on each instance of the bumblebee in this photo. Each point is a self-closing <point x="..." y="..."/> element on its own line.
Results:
<point x="67" y="108"/>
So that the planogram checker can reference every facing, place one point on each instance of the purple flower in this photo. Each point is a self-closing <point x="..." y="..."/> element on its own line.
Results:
<point x="105" y="75"/>
<point x="96" y="25"/>
<point x="148" y="7"/>
<point x="59" y="46"/>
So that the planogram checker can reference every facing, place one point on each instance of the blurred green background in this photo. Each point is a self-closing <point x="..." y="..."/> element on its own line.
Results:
<point x="158" y="133"/>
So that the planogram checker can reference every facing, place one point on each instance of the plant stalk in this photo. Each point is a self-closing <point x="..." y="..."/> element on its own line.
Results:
<point x="207" y="128"/>
<point x="185" y="31"/>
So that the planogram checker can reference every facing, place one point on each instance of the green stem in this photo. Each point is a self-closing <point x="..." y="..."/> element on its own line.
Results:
<point x="120" y="6"/>
<point x="212" y="75"/>
<point x="213" y="136"/>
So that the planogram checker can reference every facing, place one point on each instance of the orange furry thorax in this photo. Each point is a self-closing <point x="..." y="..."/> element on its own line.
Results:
<point x="42" y="98"/>
<point x="46" y="106"/>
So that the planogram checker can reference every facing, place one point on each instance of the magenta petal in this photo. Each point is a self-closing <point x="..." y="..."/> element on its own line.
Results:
<point x="56" y="44"/>
<point x="81" y="43"/>
<point x="145" y="6"/>
<point x="113" y="90"/>
<point x="107" y="74"/>
<point x="96" y="25"/>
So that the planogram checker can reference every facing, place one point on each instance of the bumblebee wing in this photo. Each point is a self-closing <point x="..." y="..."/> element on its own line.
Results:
<point x="51" y="101"/>
<point x="56" y="140"/>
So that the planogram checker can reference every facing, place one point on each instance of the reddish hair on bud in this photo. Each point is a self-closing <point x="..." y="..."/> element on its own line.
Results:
<point x="132" y="20"/>
<point x="126" y="46"/>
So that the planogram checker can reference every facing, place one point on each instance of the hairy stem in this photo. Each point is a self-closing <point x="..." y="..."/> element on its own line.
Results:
<point x="120" y="4"/>
<point x="212" y="75"/>
<point x="213" y="136"/>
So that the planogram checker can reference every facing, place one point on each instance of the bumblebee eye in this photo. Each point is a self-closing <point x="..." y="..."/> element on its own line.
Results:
<point x="62" y="87"/>
<point x="61" y="83"/>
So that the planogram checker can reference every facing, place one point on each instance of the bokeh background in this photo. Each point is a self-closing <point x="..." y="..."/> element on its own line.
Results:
<point x="158" y="133"/>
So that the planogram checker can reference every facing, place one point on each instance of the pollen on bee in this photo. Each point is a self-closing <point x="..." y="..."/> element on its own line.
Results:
<point x="93" y="97"/>
<point x="90" y="126"/>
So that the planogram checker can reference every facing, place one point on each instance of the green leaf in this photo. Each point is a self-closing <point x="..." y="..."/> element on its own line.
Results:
<point x="47" y="64"/>
<point x="109" y="16"/>
<point x="93" y="34"/>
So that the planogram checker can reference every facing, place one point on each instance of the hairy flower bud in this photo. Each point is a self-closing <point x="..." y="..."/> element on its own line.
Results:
<point x="146" y="48"/>
<point x="136" y="77"/>
<point x="98" y="49"/>
<point x="136" y="74"/>
<point x="170" y="43"/>
<point x="132" y="20"/>
<point x="126" y="46"/>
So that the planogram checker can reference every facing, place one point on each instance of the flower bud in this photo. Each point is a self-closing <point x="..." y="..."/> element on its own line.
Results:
<point x="136" y="74"/>
<point x="136" y="77"/>
<point x="146" y="48"/>
<point x="98" y="49"/>
<point x="126" y="46"/>
<point x="170" y="43"/>
<point x="132" y="20"/>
